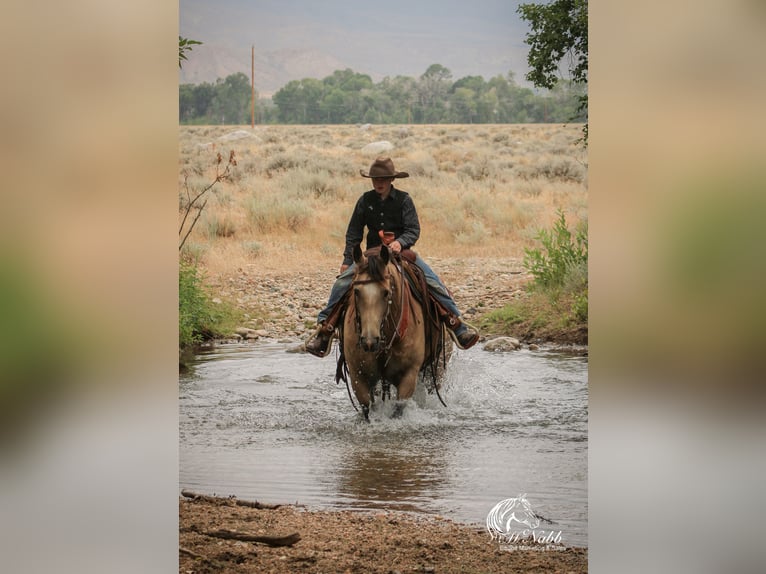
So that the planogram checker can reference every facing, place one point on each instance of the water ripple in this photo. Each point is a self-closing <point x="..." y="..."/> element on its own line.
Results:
<point x="258" y="422"/>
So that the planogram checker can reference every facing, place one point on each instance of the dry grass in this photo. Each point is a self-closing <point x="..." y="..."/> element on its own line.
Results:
<point x="481" y="191"/>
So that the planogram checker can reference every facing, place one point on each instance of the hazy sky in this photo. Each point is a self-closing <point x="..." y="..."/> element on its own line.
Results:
<point x="479" y="37"/>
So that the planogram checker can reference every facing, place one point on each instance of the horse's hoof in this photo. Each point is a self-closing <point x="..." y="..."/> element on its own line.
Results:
<point x="366" y="413"/>
<point x="398" y="411"/>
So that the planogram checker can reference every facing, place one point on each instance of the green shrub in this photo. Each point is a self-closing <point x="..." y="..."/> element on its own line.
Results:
<point x="200" y="319"/>
<point x="564" y="257"/>
<point x="501" y="320"/>
<point x="580" y="307"/>
<point x="192" y="305"/>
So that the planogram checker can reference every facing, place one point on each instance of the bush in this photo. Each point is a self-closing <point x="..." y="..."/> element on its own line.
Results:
<point x="580" y="307"/>
<point x="199" y="319"/>
<point x="278" y="213"/>
<point x="192" y="306"/>
<point x="563" y="262"/>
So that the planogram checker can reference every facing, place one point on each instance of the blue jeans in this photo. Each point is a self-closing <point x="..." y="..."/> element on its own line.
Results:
<point x="435" y="286"/>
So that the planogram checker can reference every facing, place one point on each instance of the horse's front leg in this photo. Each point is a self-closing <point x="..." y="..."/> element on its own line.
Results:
<point x="363" y="395"/>
<point x="404" y="390"/>
<point x="407" y="383"/>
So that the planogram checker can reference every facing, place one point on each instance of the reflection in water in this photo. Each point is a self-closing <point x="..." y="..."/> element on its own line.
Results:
<point x="257" y="422"/>
<point x="396" y="479"/>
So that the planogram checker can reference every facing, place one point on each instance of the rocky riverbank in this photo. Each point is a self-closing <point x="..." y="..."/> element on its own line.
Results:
<point x="222" y="536"/>
<point x="284" y="304"/>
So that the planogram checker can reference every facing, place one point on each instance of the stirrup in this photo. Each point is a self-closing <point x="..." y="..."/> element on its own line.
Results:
<point x="454" y="337"/>
<point x="316" y="334"/>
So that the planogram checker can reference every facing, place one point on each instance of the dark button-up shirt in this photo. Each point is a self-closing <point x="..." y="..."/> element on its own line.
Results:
<point x="396" y="213"/>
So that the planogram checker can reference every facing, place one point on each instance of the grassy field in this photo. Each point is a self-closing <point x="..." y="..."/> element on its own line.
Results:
<point x="480" y="190"/>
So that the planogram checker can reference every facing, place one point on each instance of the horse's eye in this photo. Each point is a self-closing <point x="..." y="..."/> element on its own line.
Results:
<point x="385" y="293"/>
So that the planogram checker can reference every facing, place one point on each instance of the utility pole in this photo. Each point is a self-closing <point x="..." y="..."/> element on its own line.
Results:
<point x="252" y="87"/>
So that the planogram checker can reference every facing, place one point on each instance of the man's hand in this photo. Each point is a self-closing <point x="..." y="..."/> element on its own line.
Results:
<point x="343" y="268"/>
<point x="396" y="247"/>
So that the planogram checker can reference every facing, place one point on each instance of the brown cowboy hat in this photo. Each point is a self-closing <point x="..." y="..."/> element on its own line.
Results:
<point x="384" y="167"/>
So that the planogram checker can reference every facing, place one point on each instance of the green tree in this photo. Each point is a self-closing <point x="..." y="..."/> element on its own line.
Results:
<point x="185" y="45"/>
<point x="559" y="30"/>
<point x="232" y="99"/>
<point x="433" y="88"/>
<point x="299" y="101"/>
<point x="401" y="91"/>
<point x="463" y="105"/>
<point x="186" y="102"/>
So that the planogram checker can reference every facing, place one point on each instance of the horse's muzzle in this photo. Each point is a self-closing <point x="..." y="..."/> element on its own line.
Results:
<point x="371" y="345"/>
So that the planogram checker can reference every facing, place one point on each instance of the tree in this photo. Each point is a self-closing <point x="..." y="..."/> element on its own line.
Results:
<point x="185" y="45"/>
<point x="559" y="30"/>
<point x="463" y="105"/>
<point x="231" y="103"/>
<point x="433" y="88"/>
<point x="346" y="97"/>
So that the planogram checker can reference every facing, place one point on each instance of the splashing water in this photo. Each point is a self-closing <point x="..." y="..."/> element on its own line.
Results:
<point x="260" y="423"/>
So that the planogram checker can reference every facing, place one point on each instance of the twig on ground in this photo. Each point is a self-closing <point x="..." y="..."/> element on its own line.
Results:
<point x="288" y="540"/>
<point x="218" y="500"/>
<point x="201" y="557"/>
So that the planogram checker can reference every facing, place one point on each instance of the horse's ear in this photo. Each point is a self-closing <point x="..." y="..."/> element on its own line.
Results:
<point x="358" y="256"/>
<point x="384" y="255"/>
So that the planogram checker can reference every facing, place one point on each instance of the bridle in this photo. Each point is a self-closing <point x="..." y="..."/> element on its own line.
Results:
<point x="392" y="287"/>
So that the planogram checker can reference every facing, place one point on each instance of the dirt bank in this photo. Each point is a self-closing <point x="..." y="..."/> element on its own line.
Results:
<point x="346" y="541"/>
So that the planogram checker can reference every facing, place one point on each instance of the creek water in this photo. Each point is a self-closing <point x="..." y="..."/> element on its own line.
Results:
<point x="265" y="424"/>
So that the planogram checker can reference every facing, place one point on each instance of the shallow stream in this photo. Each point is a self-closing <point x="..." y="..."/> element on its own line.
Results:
<point x="264" y="424"/>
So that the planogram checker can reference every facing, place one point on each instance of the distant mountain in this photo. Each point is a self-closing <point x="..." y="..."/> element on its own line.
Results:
<point x="296" y="39"/>
<point x="272" y="69"/>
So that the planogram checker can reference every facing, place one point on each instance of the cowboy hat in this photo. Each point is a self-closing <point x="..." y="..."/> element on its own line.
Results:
<point x="383" y="167"/>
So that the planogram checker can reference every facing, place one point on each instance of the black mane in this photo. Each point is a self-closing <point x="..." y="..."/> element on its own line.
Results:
<point x="375" y="268"/>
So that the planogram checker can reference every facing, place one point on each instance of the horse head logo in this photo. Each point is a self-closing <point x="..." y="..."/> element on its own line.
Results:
<point x="501" y="519"/>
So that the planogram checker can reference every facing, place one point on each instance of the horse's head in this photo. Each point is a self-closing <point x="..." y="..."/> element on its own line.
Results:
<point x="373" y="287"/>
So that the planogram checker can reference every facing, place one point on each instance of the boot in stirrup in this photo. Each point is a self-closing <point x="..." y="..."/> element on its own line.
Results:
<point x="464" y="335"/>
<point x="319" y="343"/>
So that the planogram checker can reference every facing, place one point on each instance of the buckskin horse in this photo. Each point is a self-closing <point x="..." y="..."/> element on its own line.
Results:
<point x="389" y="335"/>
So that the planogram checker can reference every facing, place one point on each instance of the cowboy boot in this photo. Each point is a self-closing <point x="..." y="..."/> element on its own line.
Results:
<point x="319" y="344"/>
<point x="463" y="334"/>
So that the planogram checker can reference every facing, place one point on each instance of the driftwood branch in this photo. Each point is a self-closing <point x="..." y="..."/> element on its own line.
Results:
<point x="244" y="537"/>
<point x="231" y="500"/>
<point x="201" y="557"/>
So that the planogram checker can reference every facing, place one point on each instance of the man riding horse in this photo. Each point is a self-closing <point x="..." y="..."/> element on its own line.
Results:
<point x="390" y="217"/>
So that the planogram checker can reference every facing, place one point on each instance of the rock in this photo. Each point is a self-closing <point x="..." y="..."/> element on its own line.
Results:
<point x="502" y="344"/>
<point x="238" y="135"/>
<point x="299" y="348"/>
<point x="246" y="334"/>
<point x="262" y="332"/>
<point x="534" y="347"/>
<point x="378" y="147"/>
